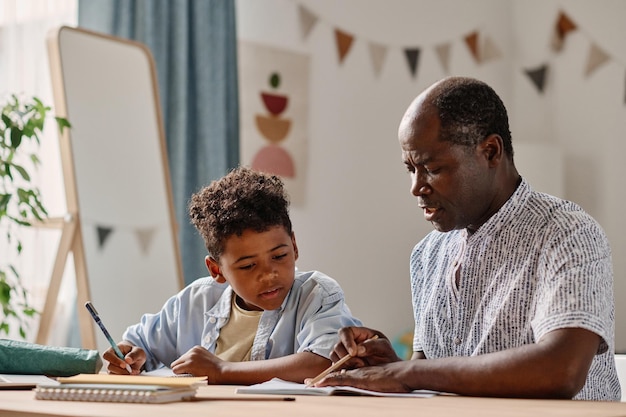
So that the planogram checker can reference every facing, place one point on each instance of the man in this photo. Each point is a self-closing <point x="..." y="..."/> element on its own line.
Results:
<point x="513" y="291"/>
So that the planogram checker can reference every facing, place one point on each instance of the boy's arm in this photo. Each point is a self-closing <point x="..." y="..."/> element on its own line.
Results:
<point x="295" y="367"/>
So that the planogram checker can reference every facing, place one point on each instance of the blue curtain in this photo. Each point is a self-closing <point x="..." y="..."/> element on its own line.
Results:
<point x="194" y="46"/>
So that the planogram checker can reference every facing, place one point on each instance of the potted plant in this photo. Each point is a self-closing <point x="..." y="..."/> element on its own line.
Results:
<point x="21" y="126"/>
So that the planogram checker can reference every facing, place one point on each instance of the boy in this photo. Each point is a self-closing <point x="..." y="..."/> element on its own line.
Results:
<point x="257" y="317"/>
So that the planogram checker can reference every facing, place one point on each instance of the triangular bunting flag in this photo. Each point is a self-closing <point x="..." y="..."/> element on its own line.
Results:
<point x="563" y="26"/>
<point x="344" y="42"/>
<point x="538" y="76"/>
<point x="144" y="236"/>
<point x="412" y="57"/>
<point x="378" y="53"/>
<point x="307" y="21"/>
<point x="103" y="235"/>
<point x="471" y="41"/>
<point x="443" y="53"/>
<point x="490" y="50"/>
<point x="596" y="58"/>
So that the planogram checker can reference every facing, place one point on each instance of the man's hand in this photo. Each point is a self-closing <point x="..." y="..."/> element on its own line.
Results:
<point x="357" y="341"/>
<point x="556" y="366"/>
<point x="374" y="378"/>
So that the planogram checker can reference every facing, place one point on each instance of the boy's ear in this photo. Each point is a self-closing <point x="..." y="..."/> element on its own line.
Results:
<point x="214" y="269"/>
<point x="295" y="246"/>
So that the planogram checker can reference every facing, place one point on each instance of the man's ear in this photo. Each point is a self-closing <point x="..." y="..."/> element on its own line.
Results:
<point x="214" y="269"/>
<point x="493" y="149"/>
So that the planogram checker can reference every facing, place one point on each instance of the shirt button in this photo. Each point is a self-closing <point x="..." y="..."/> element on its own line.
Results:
<point x="212" y="320"/>
<point x="457" y="341"/>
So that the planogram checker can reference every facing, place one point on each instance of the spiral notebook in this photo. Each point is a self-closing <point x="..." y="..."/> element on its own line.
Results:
<point x="117" y="393"/>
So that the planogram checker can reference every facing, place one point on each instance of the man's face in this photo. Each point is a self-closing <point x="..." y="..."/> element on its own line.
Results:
<point x="453" y="184"/>
<point x="259" y="266"/>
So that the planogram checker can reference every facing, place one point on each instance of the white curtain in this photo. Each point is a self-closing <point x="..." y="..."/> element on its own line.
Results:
<point x="24" y="71"/>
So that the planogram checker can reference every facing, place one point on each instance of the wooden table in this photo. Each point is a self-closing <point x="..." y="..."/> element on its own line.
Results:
<point x="222" y="401"/>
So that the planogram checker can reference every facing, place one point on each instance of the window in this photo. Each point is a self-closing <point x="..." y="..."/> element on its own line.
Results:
<point x="24" y="71"/>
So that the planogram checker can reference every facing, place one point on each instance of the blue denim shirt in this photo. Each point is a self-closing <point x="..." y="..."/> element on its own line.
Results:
<point x="307" y="321"/>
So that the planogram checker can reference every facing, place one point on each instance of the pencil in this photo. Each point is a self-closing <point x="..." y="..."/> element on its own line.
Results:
<point x="195" y="399"/>
<point x="334" y="366"/>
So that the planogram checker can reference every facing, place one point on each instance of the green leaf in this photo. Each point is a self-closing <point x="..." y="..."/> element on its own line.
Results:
<point x="19" y="221"/>
<point x="16" y="136"/>
<point x="37" y="123"/>
<point x="5" y="293"/>
<point x="22" y="171"/>
<point x="12" y="268"/>
<point x="29" y="130"/>
<point x="4" y="201"/>
<point x="62" y="123"/>
<point x="35" y="160"/>
<point x="7" y="170"/>
<point x="7" y="121"/>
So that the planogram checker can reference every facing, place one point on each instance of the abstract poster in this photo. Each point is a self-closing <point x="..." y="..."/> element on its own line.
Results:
<point x="273" y="112"/>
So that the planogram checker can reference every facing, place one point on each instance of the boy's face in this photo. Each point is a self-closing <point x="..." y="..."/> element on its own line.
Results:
<point x="259" y="266"/>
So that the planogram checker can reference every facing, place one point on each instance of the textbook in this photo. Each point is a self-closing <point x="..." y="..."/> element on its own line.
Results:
<point x="120" y="393"/>
<point x="281" y="387"/>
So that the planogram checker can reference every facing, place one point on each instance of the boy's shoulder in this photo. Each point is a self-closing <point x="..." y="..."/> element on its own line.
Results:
<point x="202" y="286"/>
<point x="207" y="281"/>
<point x="310" y="281"/>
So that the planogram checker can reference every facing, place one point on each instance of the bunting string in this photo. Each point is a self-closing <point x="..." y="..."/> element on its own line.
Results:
<point x="563" y="27"/>
<point x="143" y="235"/>
<point x="481" y="46"/>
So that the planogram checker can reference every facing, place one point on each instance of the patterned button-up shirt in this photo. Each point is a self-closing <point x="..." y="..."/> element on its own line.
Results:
<point x="539" y="264"/>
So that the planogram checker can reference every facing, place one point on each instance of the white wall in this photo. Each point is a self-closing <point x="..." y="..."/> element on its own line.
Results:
<point x="584" y="116"/>
<point x="358" y="221"/>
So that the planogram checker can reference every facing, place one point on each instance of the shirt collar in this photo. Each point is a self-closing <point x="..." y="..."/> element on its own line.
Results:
<point x="505" y="215"/>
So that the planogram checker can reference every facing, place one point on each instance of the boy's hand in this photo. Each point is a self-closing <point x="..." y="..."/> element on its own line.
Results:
<point x="133" y="356"/>
<point x="198" y="361"/>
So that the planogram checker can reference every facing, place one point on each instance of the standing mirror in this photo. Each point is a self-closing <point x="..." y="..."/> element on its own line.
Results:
<point x="120" y="225"/>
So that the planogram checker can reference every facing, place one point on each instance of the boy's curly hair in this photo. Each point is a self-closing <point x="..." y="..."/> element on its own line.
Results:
<point x="241" y="200"/>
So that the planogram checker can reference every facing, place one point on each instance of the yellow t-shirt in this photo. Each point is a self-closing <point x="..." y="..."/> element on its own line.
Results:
<point x="236" y="337"/>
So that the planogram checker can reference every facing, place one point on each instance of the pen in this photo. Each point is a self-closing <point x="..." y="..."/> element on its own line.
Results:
<point x="334" y="366"/>
<point x="96" y="317"/>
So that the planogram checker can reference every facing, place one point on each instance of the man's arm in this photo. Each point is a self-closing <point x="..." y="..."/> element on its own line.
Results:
<point x="554" y="367"/>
